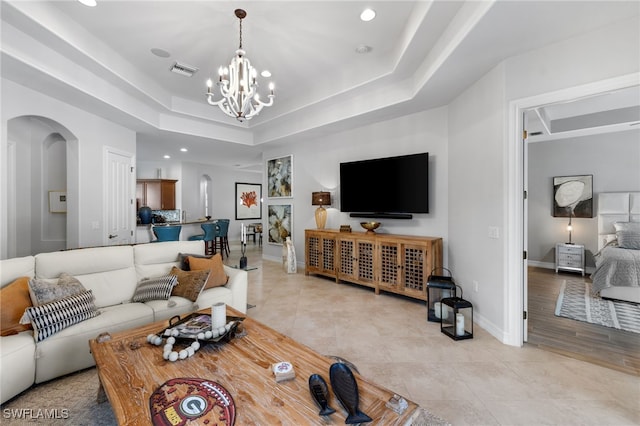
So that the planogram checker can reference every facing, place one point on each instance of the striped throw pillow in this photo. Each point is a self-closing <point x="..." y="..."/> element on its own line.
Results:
<point x="52" y="317"/>
<point x="155" y="288"/>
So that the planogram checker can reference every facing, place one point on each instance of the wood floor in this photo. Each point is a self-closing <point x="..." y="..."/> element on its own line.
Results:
<point x="604" y="346"/>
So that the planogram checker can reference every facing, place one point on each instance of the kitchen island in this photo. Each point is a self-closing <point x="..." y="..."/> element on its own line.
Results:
<point x="144" y="234"/>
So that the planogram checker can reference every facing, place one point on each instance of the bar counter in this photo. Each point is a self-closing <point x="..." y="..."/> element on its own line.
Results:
<point x="189" y="228"/>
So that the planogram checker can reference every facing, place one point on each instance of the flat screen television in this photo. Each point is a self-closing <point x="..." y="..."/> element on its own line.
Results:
<point x="385" y="186"/>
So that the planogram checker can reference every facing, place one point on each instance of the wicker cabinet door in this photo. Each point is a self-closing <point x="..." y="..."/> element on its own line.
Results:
<point x="328" y="258"/>
<point x="346" y="259"/>
<point x="366" y="262"/>
<point x="312" y="253"/>
<point x="415" y="270"/>
<point x="356" y="260"/>
<point x="389" y="277"/>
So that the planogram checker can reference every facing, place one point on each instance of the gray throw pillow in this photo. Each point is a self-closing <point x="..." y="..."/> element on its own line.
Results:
<point x="628" y="235"/>
<point x="155" y="288"/>
<point x="45" y="291"/>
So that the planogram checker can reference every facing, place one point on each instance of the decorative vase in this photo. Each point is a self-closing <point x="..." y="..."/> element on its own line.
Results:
<point x="145" y="215"/>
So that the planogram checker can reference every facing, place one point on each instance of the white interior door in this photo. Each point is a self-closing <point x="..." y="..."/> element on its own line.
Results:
<point x="119" y="197"/>
<point x="525" y="233"/>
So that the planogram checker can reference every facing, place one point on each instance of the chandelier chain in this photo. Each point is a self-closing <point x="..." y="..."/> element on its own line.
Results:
<point x="240" y="33"/>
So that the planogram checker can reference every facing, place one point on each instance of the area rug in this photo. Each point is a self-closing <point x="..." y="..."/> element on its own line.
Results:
<point x="71" y="400"/>
<point x="576" y="302"/>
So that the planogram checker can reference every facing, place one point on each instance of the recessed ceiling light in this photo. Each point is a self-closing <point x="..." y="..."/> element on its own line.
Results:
<point x="368" y="15"/>
<point x="184" y="149"/>
<point x="363" y="48"/>
<point x="90" y="3"/>
<point x="167" y="156"/>
<point x="160" y="52"/>
<point x="266" y="73"/>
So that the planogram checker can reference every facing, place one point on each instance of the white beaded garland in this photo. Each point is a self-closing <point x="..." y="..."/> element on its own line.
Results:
<point x="171" y="334"/>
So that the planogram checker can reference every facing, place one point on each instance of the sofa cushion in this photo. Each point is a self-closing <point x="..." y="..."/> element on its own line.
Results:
<point x="68" y="351"/>
<point x="45" y="291"/>
<point x="166" y="309"/>
<point x="217" y="276"/>
<point x="107" y="271"/>
<point x="12" y="269"/>
<point x="190" y="283"/>
<point x="158" y="288"/>
<point x="18" y="364"/>
<point x="52" y="317"/>
<point x="14" y="300"/>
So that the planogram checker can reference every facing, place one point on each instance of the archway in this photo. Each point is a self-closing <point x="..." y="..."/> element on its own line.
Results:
<point x="42" y="186"/>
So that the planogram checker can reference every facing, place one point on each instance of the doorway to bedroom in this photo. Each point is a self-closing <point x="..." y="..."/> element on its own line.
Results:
<point x="592" y="136"/>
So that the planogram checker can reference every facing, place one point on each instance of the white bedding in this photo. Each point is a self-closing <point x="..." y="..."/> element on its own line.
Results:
<point x="616" y="266"/>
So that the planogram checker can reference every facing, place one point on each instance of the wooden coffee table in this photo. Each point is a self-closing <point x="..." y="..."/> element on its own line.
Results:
<point x="130" y="370"/>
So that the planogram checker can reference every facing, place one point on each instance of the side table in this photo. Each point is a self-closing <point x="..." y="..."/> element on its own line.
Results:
<point x="570" y="257"/>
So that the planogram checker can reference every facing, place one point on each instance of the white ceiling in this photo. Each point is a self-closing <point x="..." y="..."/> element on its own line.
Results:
<point x="423" y="55"/>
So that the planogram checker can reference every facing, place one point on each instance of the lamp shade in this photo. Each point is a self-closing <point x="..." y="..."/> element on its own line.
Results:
<point x="321" y="198"/>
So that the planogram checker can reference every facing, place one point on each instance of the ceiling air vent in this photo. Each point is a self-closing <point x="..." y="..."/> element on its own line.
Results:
<point x="183" y="69"/>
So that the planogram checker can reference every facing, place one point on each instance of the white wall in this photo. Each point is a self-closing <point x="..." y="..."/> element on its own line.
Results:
<point x="316" y="166"/>
<point x="476" y="195"/>
<point x="479" y="168"/>
<point x="93" y="133"/>
<point x="613" y="160"/>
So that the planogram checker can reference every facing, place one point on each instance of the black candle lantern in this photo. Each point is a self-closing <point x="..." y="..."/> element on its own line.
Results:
<point x="457" y="318"/>
<point x="438" y="287"/>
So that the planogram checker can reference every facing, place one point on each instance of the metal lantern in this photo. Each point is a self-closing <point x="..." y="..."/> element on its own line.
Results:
<point x="438" y="287"/>
<point x="457" y="318"/>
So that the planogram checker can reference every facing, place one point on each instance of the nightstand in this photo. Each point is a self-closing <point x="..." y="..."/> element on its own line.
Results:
<point x="570" y="257"/>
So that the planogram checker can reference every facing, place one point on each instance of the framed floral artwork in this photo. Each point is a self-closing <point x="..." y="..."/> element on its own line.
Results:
<point x="280" y="223"/>
<point x="248" y="201"/>
<point x="279" y="177"/>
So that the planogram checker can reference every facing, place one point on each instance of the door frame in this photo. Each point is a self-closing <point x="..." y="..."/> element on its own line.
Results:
<point x="514" y="185"/>
<point x="132" y="191"/>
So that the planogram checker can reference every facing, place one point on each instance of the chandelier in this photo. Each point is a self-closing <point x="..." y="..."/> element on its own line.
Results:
<point x="238" y="85"/>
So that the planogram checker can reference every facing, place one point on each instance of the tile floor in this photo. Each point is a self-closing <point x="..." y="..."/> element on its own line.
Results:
<point x="470" y="382"/>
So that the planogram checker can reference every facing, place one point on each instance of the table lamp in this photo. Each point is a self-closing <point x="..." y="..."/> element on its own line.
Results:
<point x="321" y="198"/>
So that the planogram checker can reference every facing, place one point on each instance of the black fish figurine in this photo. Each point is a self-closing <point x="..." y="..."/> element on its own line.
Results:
<point x="320" y="393"/>
<point x="345" y="388"/>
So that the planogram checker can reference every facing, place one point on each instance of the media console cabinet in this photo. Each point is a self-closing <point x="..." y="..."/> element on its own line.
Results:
<point x="398" y="264"/>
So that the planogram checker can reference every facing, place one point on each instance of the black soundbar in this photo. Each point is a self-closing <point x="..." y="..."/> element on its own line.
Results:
<point x="383" y="215"/>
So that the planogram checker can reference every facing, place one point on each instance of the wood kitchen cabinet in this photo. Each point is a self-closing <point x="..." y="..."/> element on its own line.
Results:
<point x="158" y="194"/>
<point x="393" y="263"/>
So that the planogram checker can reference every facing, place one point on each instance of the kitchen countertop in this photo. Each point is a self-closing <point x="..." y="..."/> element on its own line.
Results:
<point x="195" y="222"/>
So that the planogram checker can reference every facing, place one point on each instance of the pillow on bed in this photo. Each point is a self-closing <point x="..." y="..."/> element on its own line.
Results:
<point x="628" y="234"/>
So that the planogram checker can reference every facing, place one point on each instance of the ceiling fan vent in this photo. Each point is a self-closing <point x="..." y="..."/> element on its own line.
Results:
<point x="183" y="69"/>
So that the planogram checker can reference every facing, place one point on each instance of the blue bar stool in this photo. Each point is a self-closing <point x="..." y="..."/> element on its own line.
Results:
<point x="223" y="243"/>
<point x="208" y="237"/>
<point x="167" y="233"/>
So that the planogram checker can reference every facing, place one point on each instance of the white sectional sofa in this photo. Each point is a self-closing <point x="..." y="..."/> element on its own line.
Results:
<point x="112" y="274"/>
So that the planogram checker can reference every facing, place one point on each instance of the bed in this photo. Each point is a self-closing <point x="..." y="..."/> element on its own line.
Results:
<point x="617" y="273"/>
